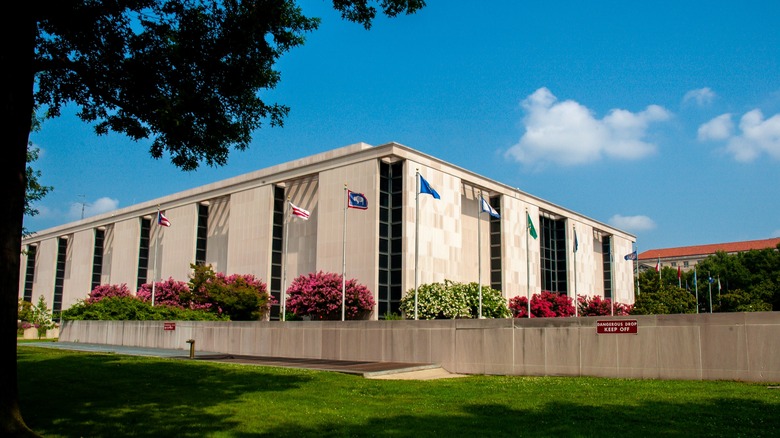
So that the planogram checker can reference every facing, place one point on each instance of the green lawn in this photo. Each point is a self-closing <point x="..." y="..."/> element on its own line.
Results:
<point x="78" y="394"/>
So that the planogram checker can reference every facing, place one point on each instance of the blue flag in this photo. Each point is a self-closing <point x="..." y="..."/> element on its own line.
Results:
<point x="356" y="200"/>
<point x="487" y="208"/>
<point x="576" y="243"/>
<point x="631" y="256"/>
<point x="426" y="188"/>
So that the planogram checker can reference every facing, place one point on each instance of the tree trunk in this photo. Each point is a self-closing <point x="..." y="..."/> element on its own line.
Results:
<point x="17" y="38"/>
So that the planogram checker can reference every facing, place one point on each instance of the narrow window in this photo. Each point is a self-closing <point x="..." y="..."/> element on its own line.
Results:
<point x="553" y="254"/>
<point x="29" y="275"/>
<point x="97" y="258"/>
<point x="202" y="235"/>
<point x="495" y="245"/>
<point x="606" y="257"/>
<point x="143" y="252"/>
<point x="277" y="245"/>
<point x="59" y="276"/>
<point x="390" y="237"/>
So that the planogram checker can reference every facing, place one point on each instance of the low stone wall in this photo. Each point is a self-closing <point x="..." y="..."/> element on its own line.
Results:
<point x="726" y="346"/>
<point x="32" y="333"/>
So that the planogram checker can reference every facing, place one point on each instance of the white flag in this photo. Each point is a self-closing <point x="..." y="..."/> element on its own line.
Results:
<point x="298" y="211"/>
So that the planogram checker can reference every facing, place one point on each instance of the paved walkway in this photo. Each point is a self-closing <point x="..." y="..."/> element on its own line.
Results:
<point x="370" y="370"/>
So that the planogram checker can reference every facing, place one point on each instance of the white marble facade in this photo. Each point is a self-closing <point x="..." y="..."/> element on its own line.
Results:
<point x="240" y="231"/>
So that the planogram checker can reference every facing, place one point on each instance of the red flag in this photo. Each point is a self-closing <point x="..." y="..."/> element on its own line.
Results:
<point x="679" y="272"/>
<point x="658" y="265"/>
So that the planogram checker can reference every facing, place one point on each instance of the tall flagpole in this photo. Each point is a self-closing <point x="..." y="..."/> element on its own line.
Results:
<point x="679" y="278"/>
<point x="636" y="272"/>
<point x="156" y="247"/>
<point x="696" y="286"/>
<point x="575" y="271"/>
<point x="344" y="259"/>
<point x="527" y="263"/>
<point x="612" y="279"/>
<point x="479" y="251"/>
<point x="282" y="292"/>
<point x="416" y="237"/>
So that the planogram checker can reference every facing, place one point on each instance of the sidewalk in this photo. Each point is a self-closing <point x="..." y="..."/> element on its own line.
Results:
<point x="369" y="370"/>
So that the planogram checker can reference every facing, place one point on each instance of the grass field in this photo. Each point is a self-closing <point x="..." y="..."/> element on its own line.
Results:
<point x="78" y="394"/>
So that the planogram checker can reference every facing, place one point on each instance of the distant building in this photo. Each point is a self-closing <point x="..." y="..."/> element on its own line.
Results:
<point x="243" y="225"/>
<point x="687" y="257"/>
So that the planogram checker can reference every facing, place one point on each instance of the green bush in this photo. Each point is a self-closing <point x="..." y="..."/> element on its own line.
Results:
<point x="240" y="297"/>
<point x="133" y="309"/>
<point x="41" y="316"/>
<point x="450" y="300"/>
<point x="25" y="311"/>
<point x="493" y="302"/>
<point x="667" y="299"/>
<point x="738" y="300"/>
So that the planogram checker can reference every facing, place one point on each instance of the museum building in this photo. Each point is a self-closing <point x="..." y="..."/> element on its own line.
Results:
<point x="392" y="242"/>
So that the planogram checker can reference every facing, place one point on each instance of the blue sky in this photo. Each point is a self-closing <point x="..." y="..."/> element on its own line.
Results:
<point x="661" y="118"/>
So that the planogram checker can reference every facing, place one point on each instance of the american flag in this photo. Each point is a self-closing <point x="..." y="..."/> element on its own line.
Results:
<point x="162" y="220"/>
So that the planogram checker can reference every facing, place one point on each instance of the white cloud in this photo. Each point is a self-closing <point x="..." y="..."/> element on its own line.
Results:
<point x="755" y="136"/>
<point x="100" y="205"/>
<point x="719" y="128"/>
<point x="702" y="96"/>
<point x="632" y="223"/>
<point x="567" y="133"/>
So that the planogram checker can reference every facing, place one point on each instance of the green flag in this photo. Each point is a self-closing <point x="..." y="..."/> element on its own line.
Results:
<point x="531" y="229"/>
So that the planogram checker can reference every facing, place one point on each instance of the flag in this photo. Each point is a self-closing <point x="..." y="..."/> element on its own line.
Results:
<point x="679" y="277"/>
<point x="576" y="243"/>
<point x="162" y="220"/>
<point x="427" y="189"/>
<point x="487" y="208"/>
<point x="711" y="280"/>
<point x="631" y="256"/>
<point x="658" y="265"/>
<point x="356" y="200"/>
<point x="718" y="283"/>
<point x="531" y="229"/>
<point x="298" y="211"/>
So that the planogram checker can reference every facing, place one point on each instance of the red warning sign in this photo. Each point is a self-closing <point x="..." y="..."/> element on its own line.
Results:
<point x="617" y="326"/>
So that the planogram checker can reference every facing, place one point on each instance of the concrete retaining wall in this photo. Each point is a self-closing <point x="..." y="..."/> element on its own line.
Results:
<point x="728" y="346"/>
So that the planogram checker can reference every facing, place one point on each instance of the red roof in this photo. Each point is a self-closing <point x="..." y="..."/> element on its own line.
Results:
<point x="688" y="251"/>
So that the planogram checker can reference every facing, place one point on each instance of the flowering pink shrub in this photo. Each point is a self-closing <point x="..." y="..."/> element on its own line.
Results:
<point x="544" y="305"/>
<point x="318" y="295"/>
<point x="597" y="306"/>
<point x="108" y="291"/>
<point x="241" y="297"/>
<point x="170" y="293"/>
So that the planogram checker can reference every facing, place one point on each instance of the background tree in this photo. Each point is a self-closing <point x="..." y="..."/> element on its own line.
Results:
<point x="750" y="278"/>
<point x="34" y="190"/>
<point x="184" y="73"/>
<point x="658" y="299"/>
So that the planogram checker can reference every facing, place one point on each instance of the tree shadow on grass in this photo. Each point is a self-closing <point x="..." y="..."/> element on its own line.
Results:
<point x="561" y="419"/>
<point x="98" y="395"/>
